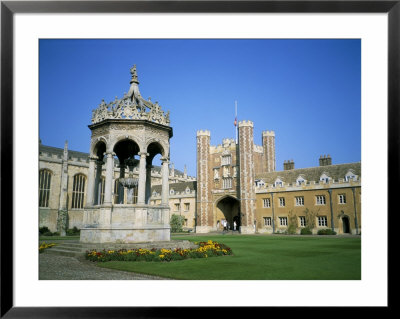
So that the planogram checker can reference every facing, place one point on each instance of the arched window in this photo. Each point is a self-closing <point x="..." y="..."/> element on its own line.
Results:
<point x="44" y="187"/>
<point x="78" y="191"/>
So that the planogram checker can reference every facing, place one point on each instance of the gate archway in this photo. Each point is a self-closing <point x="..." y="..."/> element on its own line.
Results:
<point x="228" y="208"/>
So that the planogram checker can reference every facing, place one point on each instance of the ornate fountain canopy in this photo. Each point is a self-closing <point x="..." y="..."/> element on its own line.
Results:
<point x="131" y="107"/>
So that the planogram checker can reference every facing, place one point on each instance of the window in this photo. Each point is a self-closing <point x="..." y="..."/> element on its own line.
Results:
<point x="260" y="183"/>
<point x="266" y="202"/>
<point x="226" y="160"/>
<point x="302" y="220"/>
<point x="282" y="201"/>
<point x="78" y="191"/>
<point x="177" y="207"/>
<point x="172" y="191"/>
<point x="300" y="181"/>
<point x="299" y="201"/>
<point x="350" y="177"/>
<point x="342" y="199"/>
<point x="226" y="171"/>
<point x="226" y="183"/>
<point x="187" y="206"/>
<point x="322" y="221"/>
<point x="278" y="183"/>
<point x="267" y="221"/>
<point x="216" y="173"/>
<point x="324" y="178"/>
<point x="320" y="199"/>
<point x="283" y="221"/>
<point x="44" y="187"/>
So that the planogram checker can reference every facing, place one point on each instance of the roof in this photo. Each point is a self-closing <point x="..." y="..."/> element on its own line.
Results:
<point x="177" y="187"/>
<point x="312" y="173"/>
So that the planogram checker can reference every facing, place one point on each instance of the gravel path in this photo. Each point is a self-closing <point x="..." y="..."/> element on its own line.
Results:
<point x="53" y="267"/>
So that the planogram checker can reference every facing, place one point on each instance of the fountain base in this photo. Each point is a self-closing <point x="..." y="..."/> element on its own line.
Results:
<point x="122" y="223"/>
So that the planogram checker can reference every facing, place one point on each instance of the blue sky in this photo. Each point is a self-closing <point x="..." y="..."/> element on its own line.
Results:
<point x="307" y="91"/>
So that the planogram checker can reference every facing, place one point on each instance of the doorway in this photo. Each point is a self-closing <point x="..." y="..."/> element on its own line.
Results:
<point x="346" y="225"/>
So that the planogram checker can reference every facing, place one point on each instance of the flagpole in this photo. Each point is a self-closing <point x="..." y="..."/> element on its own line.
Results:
<point x="236" y="122"/>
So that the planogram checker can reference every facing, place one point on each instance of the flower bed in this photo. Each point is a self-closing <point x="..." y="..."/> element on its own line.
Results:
<point x="205" y="250"/>
<point x="44" y="246"/>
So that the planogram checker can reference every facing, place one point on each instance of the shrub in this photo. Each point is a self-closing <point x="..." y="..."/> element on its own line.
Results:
<point x="49" y="233"/>
<point x="73" y="232"/>
<point x="306" y="231"/>
<point x="176" y="223"/>
<point x="326" y="231"/>
<point x="43" y="230"/>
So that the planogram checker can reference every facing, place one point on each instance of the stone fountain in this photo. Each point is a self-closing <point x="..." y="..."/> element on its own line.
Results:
<point x="125" y="128"/>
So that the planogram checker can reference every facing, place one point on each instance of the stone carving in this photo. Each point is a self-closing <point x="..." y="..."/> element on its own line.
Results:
<point x="131" y="107"/>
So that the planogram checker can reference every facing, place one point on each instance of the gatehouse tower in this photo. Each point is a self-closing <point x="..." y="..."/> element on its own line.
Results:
<point x="127" y="135"/>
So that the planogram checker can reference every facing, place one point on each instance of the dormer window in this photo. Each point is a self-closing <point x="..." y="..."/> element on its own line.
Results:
<point x="172" y="191"/>
<point x="300" y="181"/>
<point x="278" y="183"/>
<point x="324" y="178"/>
<point x="187" y="190"/>
<point x="260" y="183"/>
<point x="350" y="176"/>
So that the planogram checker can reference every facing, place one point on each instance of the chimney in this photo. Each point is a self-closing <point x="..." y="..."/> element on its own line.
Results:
<point x="288" y="165"/>
<point x="328" y="160"/>
<point x="325" y="160"/>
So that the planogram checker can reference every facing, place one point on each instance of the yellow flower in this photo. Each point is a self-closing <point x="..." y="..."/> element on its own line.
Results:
<point x="161" y="256"/>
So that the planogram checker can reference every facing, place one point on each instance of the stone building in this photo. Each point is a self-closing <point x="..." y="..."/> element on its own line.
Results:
<point x="237" y="183"/>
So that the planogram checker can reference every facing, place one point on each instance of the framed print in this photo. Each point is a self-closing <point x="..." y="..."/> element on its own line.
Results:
<point x="54" y="37"/>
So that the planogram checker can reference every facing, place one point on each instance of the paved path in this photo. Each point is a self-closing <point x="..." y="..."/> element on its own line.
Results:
<point x="53" y="267"/>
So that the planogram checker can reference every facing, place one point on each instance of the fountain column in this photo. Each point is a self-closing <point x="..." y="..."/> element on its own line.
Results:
<point x="142" y="178"/>
<point x="121" y="190"/>
<point x="90" y="192"/>
<point x="148" y="183"/>
<point x="99" y="167"/>
<point x="109" y="178"/>
<point x="165" y="185"/>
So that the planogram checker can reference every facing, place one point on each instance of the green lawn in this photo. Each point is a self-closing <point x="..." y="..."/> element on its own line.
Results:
<point x="52" y="238"/>
<point x="263" y="257"/>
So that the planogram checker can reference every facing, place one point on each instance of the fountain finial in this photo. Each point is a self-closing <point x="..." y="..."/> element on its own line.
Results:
<point x="134" y="75"/>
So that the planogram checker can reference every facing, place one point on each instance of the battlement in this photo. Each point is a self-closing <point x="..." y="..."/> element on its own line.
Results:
<point x="246" y="123"/>
<point x="228" y="141"/>
<point x="268" y="133"/>
<point x="203" y="133"/>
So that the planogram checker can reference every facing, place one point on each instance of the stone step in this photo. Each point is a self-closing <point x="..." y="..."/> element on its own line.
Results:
<point x="69" y="248"/>
<point x="62" y="252"/>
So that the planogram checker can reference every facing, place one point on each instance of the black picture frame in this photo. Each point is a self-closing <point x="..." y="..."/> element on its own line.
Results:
<point x="9" y="8"/>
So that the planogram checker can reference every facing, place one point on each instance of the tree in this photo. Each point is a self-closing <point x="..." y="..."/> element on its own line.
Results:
<point x="292" y="223"/>
<point x="176" y="223"/>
